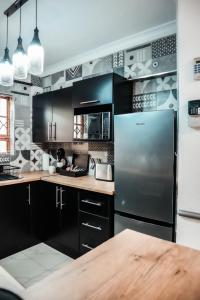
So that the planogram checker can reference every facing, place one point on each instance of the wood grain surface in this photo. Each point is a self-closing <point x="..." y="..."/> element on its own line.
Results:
<point x="88" y="183"/>
<point x="129" y="266"/>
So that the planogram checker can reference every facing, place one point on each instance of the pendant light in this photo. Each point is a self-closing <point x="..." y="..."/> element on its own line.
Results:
<point x="6" y="67"/>
<point x="20" y="59"/>
<point x="36" y="53"/>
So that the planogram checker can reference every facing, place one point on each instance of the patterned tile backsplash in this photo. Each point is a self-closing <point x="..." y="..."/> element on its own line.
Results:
<point x="160" y="93"/>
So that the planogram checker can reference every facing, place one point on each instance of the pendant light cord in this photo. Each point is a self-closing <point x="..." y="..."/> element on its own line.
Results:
<point x="36" y="13"/>
<point x="20" y="20"/>
<point x="7" y="33"/>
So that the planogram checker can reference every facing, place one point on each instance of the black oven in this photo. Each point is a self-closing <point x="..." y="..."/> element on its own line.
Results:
<point x="93" y="126"/>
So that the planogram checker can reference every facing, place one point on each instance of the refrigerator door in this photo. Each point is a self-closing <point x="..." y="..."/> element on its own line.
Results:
<point x="162" y="232"/>
<point x="144" y="164"/>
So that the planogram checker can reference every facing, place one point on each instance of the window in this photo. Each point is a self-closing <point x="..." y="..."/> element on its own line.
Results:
<point x="4" y="124"/>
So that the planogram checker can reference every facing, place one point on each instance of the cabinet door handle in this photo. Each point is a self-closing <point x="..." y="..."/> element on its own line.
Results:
<point x="89" y="102"/>
<point x="49" y="131"/>
<point x="54" y="126"/>
<point x="61" y="198"/>
<point x="189" y="214"/>
<point x="57" y="200"/>
<point x="91" y="226"/>
<point x="87" y="246"/>
<point x="92" y="203"/>
<point x="29" y="194"/>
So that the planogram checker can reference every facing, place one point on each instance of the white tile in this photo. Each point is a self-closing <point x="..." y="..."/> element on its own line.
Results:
<point x="21" y="267"/>
<point x="36" y="279"/>
<point x="46" y="256"/>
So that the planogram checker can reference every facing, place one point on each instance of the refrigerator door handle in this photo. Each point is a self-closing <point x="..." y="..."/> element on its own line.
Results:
<point x="188" y="214"/>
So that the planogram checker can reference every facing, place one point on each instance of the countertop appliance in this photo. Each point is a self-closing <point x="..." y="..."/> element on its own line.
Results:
<point x="93" y="126"/>
<point x="79" y="166"/>
<point x="145" y="173"/>
<point x="104" y="171"/>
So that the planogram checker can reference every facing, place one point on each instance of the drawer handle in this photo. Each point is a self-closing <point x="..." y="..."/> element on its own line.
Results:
<point x="88" y="102"/>
<point x="92" y="203"/>
<point x="87" y="246"/>
<point x="91" y="226"/>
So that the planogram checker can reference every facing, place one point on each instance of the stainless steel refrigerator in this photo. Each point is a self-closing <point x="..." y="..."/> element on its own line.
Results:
<point x="145" y="173"/>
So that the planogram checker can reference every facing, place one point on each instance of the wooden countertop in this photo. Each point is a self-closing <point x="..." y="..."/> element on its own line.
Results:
<point x="88" y="183"/>
<point x="130" y="266"/>
<point x="25" y="177"/>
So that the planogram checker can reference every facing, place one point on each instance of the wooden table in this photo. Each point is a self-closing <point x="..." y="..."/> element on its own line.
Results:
<point x="129" y="266"/>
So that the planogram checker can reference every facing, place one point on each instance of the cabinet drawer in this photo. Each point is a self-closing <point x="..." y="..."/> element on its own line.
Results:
<point x="93" y="231"/>
<point x="97" y="204"/>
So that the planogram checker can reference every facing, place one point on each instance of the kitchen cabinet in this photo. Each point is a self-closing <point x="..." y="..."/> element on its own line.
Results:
<point x="17" y="218"/>
<point x="95" y="219"/>
<point x="61" y="222"/>
<point x="53" y="116"/>
<point x="99" y="90"/>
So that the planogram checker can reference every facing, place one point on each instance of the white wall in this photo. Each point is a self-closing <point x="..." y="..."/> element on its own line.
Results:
<point x="188" y="230"/>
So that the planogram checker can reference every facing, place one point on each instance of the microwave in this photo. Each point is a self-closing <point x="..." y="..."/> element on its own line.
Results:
<point x="93" y="126"/>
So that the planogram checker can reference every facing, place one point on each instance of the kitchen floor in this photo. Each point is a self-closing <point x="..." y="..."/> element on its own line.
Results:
<point x="34" y="264"/>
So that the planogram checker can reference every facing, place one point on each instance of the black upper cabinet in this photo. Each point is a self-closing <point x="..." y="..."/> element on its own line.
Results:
<point x="97" y="90"/>
<point x="42" y="117"/>
<point x="53" y="116"/>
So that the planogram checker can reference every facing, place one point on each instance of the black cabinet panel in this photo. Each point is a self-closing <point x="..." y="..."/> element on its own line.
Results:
<point x="94" y="203"/>
<point x="62" y="127"/>
<point x="16" y="231"/>
<point x="95" y="219"/>
<point x="94" y="230"/>
<point x="62" y="230"/>
<point x="53" y="116"/>
<point x="42" y="117"/>
<point x="93" y="91"/>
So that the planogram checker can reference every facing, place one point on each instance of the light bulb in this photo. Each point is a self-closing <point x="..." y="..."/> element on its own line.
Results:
<point x="20" y="62"/>
<point x="36" y="55"/>
<point x="6" y="70"/>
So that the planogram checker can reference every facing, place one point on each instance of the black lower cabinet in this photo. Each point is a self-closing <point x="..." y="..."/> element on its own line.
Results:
<point x="61" y="219"/>
<point x="17" y="212"/>
<point x="95" y="220"/>
<point x="67" y="219"/>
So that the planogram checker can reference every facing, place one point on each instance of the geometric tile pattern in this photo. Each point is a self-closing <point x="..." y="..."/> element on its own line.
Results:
<point x="138" y="55"/>
<point x="22" y="138"/>
<point x="21" y="159"/>
<point x="164" y="46"/>
<point x="36" y="160"/>
<point x="138" y="69"/>
<point x="155" y="85"/>
<point x="73" y="73"/>
<point x="98" y="66"/>
<point x="118" y="59"/>
<point x="145" y="102"/>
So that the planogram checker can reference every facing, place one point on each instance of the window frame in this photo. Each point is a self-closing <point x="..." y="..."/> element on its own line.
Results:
<point x="7" y="138"/>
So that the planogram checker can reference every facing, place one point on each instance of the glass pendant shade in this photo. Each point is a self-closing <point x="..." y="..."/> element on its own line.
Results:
<point x="20" y="61"/>
<point x="6" y="70"/>
<point x="36" y="55"/>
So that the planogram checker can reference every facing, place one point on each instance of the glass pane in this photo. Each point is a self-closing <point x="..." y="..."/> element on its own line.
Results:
<point x="3" y="126"/>
<point x="3" y="107"/>
<point x="3" y="147"/>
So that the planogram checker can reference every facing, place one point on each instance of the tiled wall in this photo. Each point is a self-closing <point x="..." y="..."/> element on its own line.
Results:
<point x="160" y="93"/>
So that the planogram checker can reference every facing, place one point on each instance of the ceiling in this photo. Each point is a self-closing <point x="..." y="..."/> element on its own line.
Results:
<point x="71" y="27"/>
